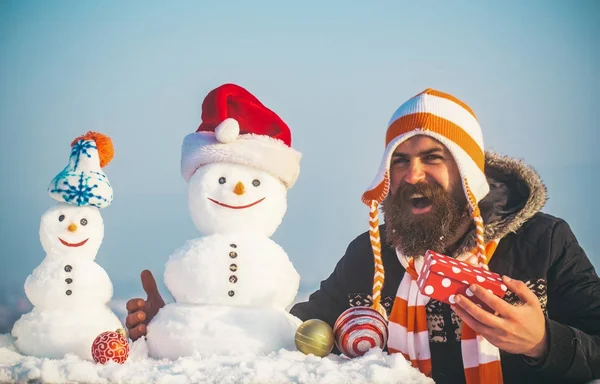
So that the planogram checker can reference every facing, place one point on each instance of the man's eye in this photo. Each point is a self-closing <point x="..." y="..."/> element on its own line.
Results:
<point x="400" y="161"/>
<point x="433" y="157"/>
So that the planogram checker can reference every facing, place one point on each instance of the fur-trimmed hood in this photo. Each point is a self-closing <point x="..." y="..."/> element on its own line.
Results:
<point x="516" y="194"/>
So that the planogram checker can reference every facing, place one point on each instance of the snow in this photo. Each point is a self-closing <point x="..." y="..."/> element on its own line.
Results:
<point x="187" y="330"/>
<point x="68" y="290"/>
<point x="283" y="366"/>
<point x="201" y="271"/>
<point x="54" y="227"/>
<point x="215" y="207"/>
<point x="232" y="285"/>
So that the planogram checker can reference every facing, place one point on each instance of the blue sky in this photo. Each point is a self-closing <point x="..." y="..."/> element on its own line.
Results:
<point x="335" y="71"/>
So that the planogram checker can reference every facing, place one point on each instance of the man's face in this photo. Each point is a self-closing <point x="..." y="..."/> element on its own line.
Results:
<point x="426" y="205"/>
<point x="423" y="159"/>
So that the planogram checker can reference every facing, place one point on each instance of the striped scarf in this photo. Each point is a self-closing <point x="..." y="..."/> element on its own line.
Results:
<point x="408" y="333"/>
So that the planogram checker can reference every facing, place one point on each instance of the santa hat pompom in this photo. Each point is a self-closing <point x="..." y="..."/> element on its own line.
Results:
<point x="104" y="146"/>
<point x="227" y="131"/>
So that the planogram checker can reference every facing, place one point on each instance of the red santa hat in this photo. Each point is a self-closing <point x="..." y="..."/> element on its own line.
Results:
<point x="237" y="128"/>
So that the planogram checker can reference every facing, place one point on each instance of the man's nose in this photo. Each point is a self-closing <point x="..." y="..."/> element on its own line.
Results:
<point x="415" y="174"/>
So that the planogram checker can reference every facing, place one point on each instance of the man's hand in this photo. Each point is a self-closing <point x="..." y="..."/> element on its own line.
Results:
<point x="514" y="329"/>
<point x="139" y="311"/>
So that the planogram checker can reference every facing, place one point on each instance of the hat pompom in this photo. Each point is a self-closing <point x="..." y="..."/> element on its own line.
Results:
<point x="104" y="146"/>
<point x="227" y="131"/>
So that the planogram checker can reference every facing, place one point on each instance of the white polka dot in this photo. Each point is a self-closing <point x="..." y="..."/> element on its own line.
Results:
<point x="463" y="263"/>
<point x="452" y="262"/>
<point x="428" y="290"/>
<point x="487" y="272"/>
<point x="456" y="270"/>
<point x="433" y="261"/>
<point x="466" y="282"/>
<point x="451" y="299"/>
<point x="477" y="270"/>
<point x="504" y="288"/>
<point x="467" y="270"/>
<point x="441" y="273"/>
<point x="490" y="278"/>
<point x="480" y="279"/>
<point x="468" y="292"/>
<point x="443" y="261"/>
<point x="446" y="282"/>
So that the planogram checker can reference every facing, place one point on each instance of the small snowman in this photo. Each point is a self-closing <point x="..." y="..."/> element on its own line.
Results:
<point x="68" y="290"/>
<point x="232" y="285"/>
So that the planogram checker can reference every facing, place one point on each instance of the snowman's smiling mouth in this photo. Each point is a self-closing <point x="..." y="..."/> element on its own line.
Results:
<point x="73" y="244"/>
<point x="235" y="206"/>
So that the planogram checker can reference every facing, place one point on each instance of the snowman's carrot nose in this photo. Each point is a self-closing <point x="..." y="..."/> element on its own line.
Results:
<point x="239" y="188"/>
<point x="72" y="227"/>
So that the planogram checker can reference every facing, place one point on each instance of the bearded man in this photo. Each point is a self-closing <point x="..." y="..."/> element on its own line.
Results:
<point x="440" y="191"/>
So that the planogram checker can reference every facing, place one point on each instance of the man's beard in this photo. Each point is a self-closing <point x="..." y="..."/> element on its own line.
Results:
<point x="414" y="234"/>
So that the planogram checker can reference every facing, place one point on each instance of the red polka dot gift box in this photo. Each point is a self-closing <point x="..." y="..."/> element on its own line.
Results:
<point x="443" y="277"/>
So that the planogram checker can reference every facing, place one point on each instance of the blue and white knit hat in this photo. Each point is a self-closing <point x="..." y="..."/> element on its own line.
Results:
<point x="83" y="182"/>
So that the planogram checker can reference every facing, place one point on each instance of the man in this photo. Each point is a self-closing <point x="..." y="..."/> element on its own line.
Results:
<point x="440" y="191"/>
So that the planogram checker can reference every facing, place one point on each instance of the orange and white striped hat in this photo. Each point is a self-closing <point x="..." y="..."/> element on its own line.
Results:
<point x="450" y="121"/>
<point x="446" y="119"/>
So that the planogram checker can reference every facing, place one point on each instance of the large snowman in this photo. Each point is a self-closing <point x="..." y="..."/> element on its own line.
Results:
<point x="232" y="285"/>
<point x="68" y="290"/>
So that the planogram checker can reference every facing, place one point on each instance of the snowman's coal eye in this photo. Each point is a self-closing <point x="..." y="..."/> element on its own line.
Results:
<point x="222" y="180"/>
<point x="83" y="221"/>
<point x="256" y="182"/>
<point x="61" y="217"/>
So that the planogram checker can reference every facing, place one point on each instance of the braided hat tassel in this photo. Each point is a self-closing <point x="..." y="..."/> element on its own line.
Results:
<point x="378" y="277"/>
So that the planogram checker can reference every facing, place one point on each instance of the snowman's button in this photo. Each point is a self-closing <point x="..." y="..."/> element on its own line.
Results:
<point x="68" y="268"/>
<point x="233" y="279"/>
<point x="231" y="293"/>
<point x="233" y="254"/>
<point x="69" y="280"/>
<point x="233" y="245"/>
<point x="69" y="292"/>
<point x="233" y="267"/>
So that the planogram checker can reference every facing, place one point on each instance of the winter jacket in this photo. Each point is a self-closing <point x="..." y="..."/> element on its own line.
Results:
<point x="536" y="248"/>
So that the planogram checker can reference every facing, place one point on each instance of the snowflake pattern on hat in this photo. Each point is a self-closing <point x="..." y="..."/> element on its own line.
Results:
<point x="82" y="181"/>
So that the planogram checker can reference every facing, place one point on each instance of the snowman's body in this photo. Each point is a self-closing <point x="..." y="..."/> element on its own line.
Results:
<point x="232" y="286"/>
<point x="232" y="292"/>
<point x="68" y="290"/>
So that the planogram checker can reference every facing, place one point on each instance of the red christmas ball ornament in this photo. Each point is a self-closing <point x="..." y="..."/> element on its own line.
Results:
<point x="110" y="345"/>
<point x="359" y="329"/>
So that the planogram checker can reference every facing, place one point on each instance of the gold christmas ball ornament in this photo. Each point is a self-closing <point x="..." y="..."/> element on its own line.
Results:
<point x="315" y="337"/>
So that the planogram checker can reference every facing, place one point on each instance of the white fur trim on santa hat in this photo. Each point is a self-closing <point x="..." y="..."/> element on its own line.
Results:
<point x="259" y="151"/>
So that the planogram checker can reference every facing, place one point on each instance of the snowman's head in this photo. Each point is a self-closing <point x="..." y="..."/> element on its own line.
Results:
<point x="227" y="198"/>
<point x="69" y="230"/>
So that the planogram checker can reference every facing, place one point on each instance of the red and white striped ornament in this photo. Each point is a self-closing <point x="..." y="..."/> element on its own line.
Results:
<point x="359" y="329"/>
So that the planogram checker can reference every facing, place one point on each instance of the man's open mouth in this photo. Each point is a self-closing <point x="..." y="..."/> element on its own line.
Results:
<point x="419" y="201"/>
<point x="235" y="206"/>
<point x="73" y="244"/>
